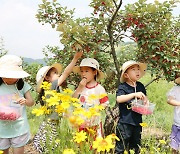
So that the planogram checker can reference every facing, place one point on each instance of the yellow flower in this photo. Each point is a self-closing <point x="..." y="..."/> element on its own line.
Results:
<point x="68" y="91"/>
<point x="79" y="121"/>
<point x="66" y="98"/>
<point x="102" y="95"/>
<point x="162" y="141"/>
<point x="69" y="151"/>
<point x="91" y="131"/>
<point x="131" y="151"/>
<point x="113" y="136"/>
<point x="99" y="107"/>
<point x="59" y="109"/>
<point x="78" y="111"/>
<point x="65" y="105"/>
<point x="46" y="85"/>
<point x="103" y="144"/>
<point x="80" y="137"/>
<point x="52" y="101"/>
<point x="94" y="112"/>
<point x="1" y="152"/>
<point x="143" y="124"/>
<point x="38" y="112"/>
<point x="76" y="105"/>
<point x="74" y="100"/>
<point x="143" y="150"/>
<point x="125" y="152"/>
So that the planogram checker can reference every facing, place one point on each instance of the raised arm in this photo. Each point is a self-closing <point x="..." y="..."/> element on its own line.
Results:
<point x="69" y="68"/>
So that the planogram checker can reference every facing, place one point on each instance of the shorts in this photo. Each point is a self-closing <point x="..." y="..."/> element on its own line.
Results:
<point x="175" y="137"/>
<point x="15" y="142"/>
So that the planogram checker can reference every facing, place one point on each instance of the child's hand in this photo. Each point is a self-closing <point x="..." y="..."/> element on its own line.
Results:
<point x="78" y="55"/>
<point x="140" y="95"/>
<point x="22" y="101"/>
<point x="83" y="82"/>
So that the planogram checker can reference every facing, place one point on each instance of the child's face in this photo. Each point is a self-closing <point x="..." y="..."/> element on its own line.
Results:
<point x="52" y="75"/>
<point x="9" y="81"/>
<point x="132" y="73"/>
<point x="88" y="73"/>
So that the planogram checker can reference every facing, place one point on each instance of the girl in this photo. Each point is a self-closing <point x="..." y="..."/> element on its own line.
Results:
<point x="14" y="97"/>
<point x="51" y="75"/>
<point x="89" y="71"/>
<point x="174" y="100"/>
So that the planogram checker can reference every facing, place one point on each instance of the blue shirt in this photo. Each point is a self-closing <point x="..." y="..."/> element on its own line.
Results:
<point x="8" y="95"/>
<point x="126" y="114"/>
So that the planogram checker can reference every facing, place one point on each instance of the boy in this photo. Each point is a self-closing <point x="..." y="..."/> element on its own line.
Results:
<point x="128" y="128"/>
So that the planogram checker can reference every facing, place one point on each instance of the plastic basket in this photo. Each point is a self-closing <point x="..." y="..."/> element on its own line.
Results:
<point x="141" y="108"/>
<point x="10" y="113"/>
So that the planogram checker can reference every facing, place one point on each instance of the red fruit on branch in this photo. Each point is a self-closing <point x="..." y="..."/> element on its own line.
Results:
<point x="136" y="22"/>
<point x="141" y="25"/>
<point x="103" y="3"/>
<point x="161" y="48"/>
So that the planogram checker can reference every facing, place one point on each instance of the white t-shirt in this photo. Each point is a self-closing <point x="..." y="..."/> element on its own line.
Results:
<point x="175" y="93"/>
<point x="94" y="96"/>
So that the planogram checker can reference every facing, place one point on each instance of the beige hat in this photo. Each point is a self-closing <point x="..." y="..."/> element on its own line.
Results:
<point x="42" y="73"/>
<point x="177" y="80"/>
<point x="90" y="62"/>
<point x="130" y="63"/>
<point x="11" y="67"/>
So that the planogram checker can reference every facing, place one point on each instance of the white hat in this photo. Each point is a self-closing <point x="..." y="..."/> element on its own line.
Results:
<point x="90" y="62"/>
<point x="177" y="80"/>
<point x="11" y="67"/>
<point x="42" y="73"/>
<point x="130" y="63"/>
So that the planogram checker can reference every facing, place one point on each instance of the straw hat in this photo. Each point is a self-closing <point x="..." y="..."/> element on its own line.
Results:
<point x="90" y="62"/>
<point x="130" y="63"/>
<point x="177" y="80"/>
<point x="42" y="73"/>
<point x="11" y="67"/>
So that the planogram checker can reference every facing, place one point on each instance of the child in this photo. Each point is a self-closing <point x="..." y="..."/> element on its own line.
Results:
<point x="174" y="100"/>
<point x="52" y="75"/>
<point x="14" y="97"/>
<point x="89" y="71"/>
<point x="128" y="128"/>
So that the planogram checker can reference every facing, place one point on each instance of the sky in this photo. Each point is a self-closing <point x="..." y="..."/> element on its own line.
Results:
<point x="24" y="36"/>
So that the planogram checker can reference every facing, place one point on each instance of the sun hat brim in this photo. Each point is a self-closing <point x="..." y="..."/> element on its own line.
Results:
<point x="77" y="70"/>
<point x="177" y="80"/>
<point x="142" y="67"/>
<point x="59" y="69"/>
<point x="13" y="72"/>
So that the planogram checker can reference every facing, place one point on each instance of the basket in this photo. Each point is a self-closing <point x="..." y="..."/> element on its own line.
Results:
<point x="10" y="113"/>
<point x="141" y="108"/>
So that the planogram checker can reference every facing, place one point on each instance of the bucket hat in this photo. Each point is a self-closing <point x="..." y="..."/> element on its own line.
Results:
<point x="11" y="67"/>
<point x="42" y="73"/>
<point x="90" y="62"/>
<point x="130" y="63"/>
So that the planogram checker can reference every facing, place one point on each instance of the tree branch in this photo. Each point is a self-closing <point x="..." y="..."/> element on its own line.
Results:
<point x="110" y="33"/>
